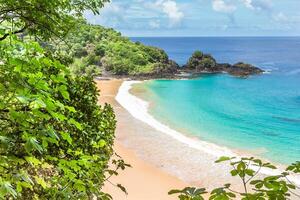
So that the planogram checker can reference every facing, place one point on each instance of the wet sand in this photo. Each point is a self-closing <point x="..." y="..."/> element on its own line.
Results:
<point x="143" y="181"/>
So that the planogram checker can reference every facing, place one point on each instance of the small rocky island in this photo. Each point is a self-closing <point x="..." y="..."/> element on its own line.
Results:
<point x="205" y="63"/>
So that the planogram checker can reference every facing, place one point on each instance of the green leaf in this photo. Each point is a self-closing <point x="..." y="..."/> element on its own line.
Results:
<point x="32" y="160"/>
<point x="79" y="186"/>
<point x="23" y="99"/>
<point x="174" y="191"/>
<point x="291" y="186"/>
<point x="234" y="172"/>
<point x="249" y="172"/>
<point x="4" y="139"/>
<point x="222" y="159"/>
<point x="259" y="185"/>
<point x="41" y="182"/>
<point x="66" y="136"/>
<point x="255" y="182"/>
<point x="8" y="188"/>
<point x="122" y="188"/>
<point x="33" y="144"/>
<point x="63" y="90"/>
<point x="71" y="109"/>
<point x="75" y="123"/>
<point x="241" y="166"/>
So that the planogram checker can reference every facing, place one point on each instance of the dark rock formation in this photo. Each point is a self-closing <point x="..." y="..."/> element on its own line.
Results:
<point x="165" y="69"/>
<point x="205" y="63"/>
<point x="244" y="69"/>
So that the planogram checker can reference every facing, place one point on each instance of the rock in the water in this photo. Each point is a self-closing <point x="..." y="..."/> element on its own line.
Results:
<point x="200" y="63"/>
<point x="244" y="69"/>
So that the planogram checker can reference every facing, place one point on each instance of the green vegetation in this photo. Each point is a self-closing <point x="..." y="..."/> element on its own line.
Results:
<point x="55" y="141"/>
<point x="43" y="19"/>
<point x="275" y="187"/>
<point x="97" y="50"/>
<point x="201" y="62"/>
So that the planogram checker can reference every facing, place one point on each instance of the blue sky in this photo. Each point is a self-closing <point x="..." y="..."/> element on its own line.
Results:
<point x="201" y="17"/>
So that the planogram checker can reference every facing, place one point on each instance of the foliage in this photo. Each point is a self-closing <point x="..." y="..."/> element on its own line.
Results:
<point x="189" y="193"/>
<point x="45" y="19"/>
<point x="200" y="61"/>
<point x="246" y="169"/>
<point x="113" y="53"/>
<point x="55" y="141"/>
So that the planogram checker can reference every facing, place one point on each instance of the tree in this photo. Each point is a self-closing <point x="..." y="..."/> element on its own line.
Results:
<point x="45" y="19"/>
<point x="195" y="59"/>
<point x="200" y="61"/>
<point x="55" y="141"/>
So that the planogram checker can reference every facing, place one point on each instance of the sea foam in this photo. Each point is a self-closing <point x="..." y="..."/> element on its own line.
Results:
<point x="138" y="108"/>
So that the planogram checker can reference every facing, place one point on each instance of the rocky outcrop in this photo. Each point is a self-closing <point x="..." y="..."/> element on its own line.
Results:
<point x="243" y="69"/>
<point x="205" y="63"/>
<point x="165" y="69"/>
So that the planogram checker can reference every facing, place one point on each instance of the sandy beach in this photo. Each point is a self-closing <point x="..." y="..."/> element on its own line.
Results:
<point x="161" y="158"/>
<point x="143" y="180"/>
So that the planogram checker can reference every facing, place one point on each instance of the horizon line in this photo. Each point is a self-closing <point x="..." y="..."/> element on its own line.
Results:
<point x="258" y="36"/>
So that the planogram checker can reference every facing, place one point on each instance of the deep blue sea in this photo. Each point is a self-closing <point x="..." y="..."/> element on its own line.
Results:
<point x="259" y="114"/>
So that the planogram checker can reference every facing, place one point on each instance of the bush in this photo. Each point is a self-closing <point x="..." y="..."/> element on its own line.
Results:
<point x="55" y="141"/>
<point x="246" y="169"/>
<point x="79" y="51"/>
<point x="100" y="50"/>
<point x="200" y="61"/>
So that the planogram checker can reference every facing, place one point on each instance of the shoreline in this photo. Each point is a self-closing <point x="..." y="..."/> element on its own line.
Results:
<point x="167" y="157"/>
<point x="143" y="180"/>
<point x="138" y="108"/>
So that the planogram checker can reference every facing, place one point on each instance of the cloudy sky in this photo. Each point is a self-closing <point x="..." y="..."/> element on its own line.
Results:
<point x="201" y="17"/>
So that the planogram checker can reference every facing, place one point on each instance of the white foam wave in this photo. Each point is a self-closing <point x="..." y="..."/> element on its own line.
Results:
<point x="138" y="108"/>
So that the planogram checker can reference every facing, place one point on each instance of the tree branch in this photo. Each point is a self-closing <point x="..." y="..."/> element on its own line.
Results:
<point x="14" y="32"/>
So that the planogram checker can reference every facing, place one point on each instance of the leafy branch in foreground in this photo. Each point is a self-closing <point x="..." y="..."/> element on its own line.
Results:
<point x="47" y="19"/>
<point x="55" y="140"/>
<point x="247" y="169"/>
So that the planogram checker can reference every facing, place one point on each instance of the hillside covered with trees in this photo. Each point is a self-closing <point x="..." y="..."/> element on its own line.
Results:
<point x="97" y="50"/>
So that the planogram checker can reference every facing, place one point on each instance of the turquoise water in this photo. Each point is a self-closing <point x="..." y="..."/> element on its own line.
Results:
<point x="260" y="114"/>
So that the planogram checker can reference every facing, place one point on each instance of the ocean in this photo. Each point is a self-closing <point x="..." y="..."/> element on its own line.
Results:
<point x="259" y="114"/>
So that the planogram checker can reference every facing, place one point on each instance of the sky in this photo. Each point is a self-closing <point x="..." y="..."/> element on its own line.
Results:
<point x="201" y="17"/>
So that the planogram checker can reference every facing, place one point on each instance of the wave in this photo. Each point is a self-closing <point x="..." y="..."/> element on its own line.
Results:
<point x="138" y="108"/>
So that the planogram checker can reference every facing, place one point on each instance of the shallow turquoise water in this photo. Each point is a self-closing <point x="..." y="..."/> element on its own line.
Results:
<point x="260" y="114"/>
<point x="251" y="114"/>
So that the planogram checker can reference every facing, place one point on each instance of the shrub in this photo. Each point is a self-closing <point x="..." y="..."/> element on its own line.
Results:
<point x="100" y="50"/>
<point x="79" y="51"/>
<point x="200" y="61"/>
<point x="55" y="141"/>
<point x="246" y="169"/>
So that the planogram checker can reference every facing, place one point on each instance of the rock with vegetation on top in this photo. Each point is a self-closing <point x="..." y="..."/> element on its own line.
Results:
<point x="201" y="62"/>
<point x="205" y="63"/>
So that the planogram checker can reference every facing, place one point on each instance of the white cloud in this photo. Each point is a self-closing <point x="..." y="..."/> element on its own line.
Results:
<point x="222" y="6"/>
<point x="258" y="4"/>
<point x="154" y="24"/>
<point x="171" y="9"/>
<point x="280" y="17"/>
<point x="112" y="14"/>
